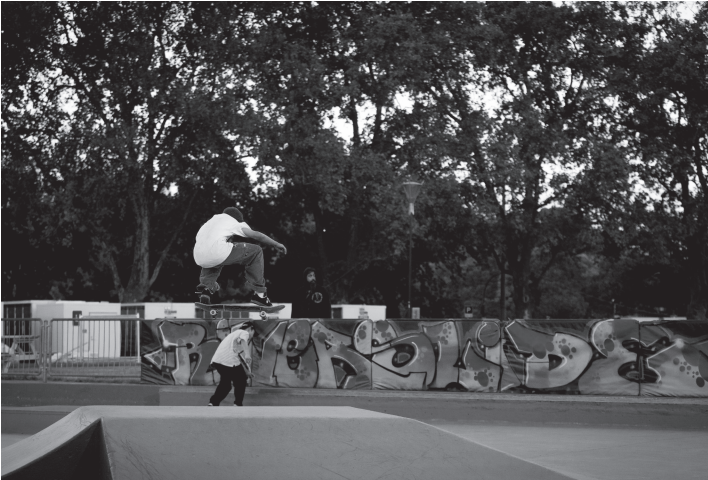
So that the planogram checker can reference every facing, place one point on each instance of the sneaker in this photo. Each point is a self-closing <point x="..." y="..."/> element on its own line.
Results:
<point x="204" y="293"/>
<point x="260" y="301"/>
<point x="209" y="405"/>
<point x="203" y="290"/>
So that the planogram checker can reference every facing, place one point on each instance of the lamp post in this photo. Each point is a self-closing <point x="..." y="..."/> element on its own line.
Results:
<point x="412" y="190"/>
<point x="502" y="279"/>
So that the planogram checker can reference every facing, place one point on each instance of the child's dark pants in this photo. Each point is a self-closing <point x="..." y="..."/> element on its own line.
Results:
<point x="229" y="375"/>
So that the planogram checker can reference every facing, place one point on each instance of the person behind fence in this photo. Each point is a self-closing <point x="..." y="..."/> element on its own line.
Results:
<point x="232" y="360"/>
<point x="312" y="300"/>
<point x="217" y="245"/>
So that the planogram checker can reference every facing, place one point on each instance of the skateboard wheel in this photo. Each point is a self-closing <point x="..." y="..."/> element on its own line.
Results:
<point x="212" y="312"/>
<point x="263" y="315"/>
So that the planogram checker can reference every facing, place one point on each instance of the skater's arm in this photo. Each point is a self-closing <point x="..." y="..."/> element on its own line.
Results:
<point x="265" y="239"/>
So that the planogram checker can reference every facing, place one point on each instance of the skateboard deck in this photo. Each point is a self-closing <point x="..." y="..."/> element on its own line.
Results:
<point x="246" y="367"/>
<point x="215" y="309"/>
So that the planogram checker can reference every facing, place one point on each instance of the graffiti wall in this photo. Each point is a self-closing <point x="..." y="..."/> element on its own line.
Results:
<point x="178" y="352"/>
<point x="673" y="358"/>
<point x="570" y="356"/>
<point x="591" y="357"/>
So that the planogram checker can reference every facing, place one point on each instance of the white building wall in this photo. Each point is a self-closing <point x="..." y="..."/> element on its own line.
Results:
<point x="80" y="337"/>
<point x="372" y="312"/>
<point x="155" y="310"/>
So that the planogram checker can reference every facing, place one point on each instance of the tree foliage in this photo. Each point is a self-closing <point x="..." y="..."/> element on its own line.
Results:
<point x="562" y="146"/>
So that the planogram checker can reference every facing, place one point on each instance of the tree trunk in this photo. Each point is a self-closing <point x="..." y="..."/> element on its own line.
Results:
<point x="518" y="256"/>
<point x="321" y="252"/>
<point x="522" y="308"/>
<point x="353" y="244"/>
<point x="698" y="277"/>
<point x="695" y="222"/>
<point x="139" y="282"/>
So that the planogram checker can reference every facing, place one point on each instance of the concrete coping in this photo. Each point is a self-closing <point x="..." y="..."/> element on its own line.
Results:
<point x="454" y="396"/>
<point x="141" y="390"/>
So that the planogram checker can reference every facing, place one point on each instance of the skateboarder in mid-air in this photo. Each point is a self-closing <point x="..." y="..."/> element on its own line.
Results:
<point x="232" y="360"/>
<point x="216" y="248"/>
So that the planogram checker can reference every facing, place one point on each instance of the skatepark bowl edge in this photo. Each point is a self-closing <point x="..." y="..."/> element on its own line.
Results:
<point x="306" y="433"/>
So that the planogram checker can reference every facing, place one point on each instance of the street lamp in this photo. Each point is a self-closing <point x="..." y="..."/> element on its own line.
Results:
<point x="412" y="190"/>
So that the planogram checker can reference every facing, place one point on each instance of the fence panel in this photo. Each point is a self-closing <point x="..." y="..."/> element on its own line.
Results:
<point x="674" y="358"/>
<point x="105" y="347"/>
<point x="22" y="348"/>
<point x="427" y="354"/>
<point x="298" y="353"/>
<point x="573" y="356"/>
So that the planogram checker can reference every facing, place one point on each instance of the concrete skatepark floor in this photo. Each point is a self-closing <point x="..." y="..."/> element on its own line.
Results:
<point x="588" y="453"/>
<point x="585" y="438"/>
<point x="583" y="452"/>
<point x="10" y="438"/>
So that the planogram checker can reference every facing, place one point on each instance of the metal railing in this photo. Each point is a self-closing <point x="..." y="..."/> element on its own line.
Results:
<point x="71" y="348"/>
<point x="23" y="347"/>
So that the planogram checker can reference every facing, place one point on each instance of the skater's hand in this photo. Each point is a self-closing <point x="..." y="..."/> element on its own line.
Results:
<point x="281" y="248"/>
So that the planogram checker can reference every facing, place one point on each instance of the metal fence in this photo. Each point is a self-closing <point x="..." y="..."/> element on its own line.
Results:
<point x="23" y="347"/>
<point x="71" y="348"/>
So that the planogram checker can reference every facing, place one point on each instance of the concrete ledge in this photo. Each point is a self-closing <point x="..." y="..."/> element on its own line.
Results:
<point x="18" y="393"/>
<point x="443" y="407"/>
<point x="440" y="396"/>
<point x="30" y="420"/>
<point x="468" y="408"/>
<point x="444" y="395"/>
<point x="35" y="393"/>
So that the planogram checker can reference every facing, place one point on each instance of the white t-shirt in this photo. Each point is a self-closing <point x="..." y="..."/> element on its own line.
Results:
<point x="229" y="348"/>
<point x="212" y="248"/>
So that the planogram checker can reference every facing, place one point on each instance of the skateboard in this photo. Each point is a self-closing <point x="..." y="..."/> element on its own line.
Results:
<point x="215" y="310"/>
<point x="245" y="364"/>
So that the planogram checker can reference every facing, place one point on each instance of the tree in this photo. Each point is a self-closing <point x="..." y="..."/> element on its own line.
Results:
<point x="541" y="131"/>
<point x="664" y="90"/>
<point x="315" y="62"/>
<point x="142" y="120"/>
<point x="516" y="95"/>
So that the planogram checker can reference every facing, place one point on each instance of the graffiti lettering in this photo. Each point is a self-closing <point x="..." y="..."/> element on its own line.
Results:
<point x="479" y="362"/>
<point x="405" y="363"/>
<point x="339" y="366"/>
<point x="609" y="356"/>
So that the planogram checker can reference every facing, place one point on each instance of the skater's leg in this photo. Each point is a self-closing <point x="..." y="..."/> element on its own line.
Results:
<point x="224" y="387"/>
<point x="251" y="257"/>
<point x="208" y="276"/>
<point x="240" y="379"/>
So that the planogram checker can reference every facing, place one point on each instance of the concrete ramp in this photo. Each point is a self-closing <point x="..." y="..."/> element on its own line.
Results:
<point x="68" y="449"/>
<point x="308" y="443"/>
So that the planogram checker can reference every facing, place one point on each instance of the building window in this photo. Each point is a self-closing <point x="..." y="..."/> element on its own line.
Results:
<point x="10" y="312"/>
